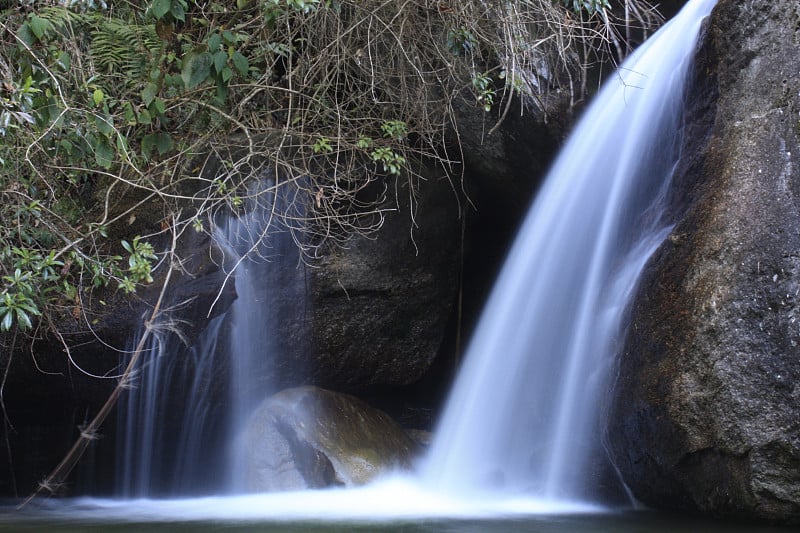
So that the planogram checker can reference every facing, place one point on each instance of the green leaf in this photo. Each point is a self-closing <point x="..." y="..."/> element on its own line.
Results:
<point x="226" y="74"/>
<point x="122" y="145"/>
<point x="214" y="40"/>
<point x="103" y="153"/>
<point x="196" y="68"/>
<point x="149" y="93"/>
<point x="164" y="143"/>
<point x="26" y="34"/>
<point x="30" y="307"/>
<point x="228" y="36"/>
<point x="38" y="26"/>
<point x="7" y="321"/>
<point x="127" y="285"/>
<point x="173" y="81"/>
<point x="220" y="59"/>
<point x="63" y="61"/>
<point x="221" y="95"/>
<point x="159" y="8"/>
<point x="144" y="117"/>
<point x="240" y="62"/>
<point x="130" y="114"/>
<point x="148" y="143"/>
<point x="23" y="319"/>
<point x="178" y="12"/>
<point x="104" y="124"/>
<point x="158" y="107"/>
<point x="97" y="96"/>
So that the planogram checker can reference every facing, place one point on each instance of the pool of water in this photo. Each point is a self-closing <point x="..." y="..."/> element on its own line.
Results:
<point x="630" y="521"/>
<point x="397" y="506"/>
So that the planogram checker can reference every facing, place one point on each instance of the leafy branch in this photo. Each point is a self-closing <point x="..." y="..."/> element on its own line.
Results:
<point x="111" y="111"/>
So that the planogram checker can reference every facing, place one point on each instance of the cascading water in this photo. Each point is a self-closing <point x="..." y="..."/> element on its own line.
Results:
<point x="177" y="419"/>
<point x="524" y="414"/>
<point x="266" y="258"/>
<point x="524" y="417"/>
<point x="159" y="445"/>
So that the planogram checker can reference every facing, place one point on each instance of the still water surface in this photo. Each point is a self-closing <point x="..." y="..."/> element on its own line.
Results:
<point x="630" y="521"/>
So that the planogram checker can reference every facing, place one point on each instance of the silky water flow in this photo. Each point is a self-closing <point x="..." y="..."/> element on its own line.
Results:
<point x="179" y="422"/>
<point x="525" y="414"/>
<point x="523" y="426"/>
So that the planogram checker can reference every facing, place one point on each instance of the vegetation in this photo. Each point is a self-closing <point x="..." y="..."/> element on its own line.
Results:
<point x="180" y="106"/>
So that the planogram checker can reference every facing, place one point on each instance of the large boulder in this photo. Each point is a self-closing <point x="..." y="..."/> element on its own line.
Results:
<point x="308" y="437"/>
<point x="707" y="409"/>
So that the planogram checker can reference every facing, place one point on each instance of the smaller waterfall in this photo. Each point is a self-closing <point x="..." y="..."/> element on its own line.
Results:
<point x="167" y="421"/>
<point x="267" y="264"/>
<point x="525" y="412"/>
<point x="175" y="424"/>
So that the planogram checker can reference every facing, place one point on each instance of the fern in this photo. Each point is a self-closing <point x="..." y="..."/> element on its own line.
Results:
<point x="115" y="46"/>
<point x="61" y="17"/>
<point x="120" y="48"/>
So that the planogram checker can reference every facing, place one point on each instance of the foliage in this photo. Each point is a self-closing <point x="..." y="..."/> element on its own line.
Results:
<point x="183" y="104"/>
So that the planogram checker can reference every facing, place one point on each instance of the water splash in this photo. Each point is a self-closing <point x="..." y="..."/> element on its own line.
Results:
<point x="524" y="414"/>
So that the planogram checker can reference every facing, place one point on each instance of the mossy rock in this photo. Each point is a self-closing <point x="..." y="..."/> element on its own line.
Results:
<point x="307" y="437"/>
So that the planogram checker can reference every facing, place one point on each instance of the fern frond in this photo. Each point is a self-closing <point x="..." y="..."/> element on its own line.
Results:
<point x="62" y="18"/>
<point x="130" y="50"/>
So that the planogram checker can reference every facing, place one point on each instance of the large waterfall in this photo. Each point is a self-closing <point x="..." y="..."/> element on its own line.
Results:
<point x="525" y="416"/>
<point x="526" y="410"/>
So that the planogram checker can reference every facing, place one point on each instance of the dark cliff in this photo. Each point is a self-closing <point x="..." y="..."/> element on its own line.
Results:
<point x="707" y="410"/>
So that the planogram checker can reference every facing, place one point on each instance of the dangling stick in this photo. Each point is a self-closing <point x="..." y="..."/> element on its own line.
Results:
<point x="88" y="433"/>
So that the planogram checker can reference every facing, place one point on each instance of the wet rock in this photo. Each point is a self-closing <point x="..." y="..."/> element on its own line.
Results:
<point x="707" y="410"/>
<point x="668" y="8"/>
<point x="308" y="437"/>
<point x="422" y="437"/>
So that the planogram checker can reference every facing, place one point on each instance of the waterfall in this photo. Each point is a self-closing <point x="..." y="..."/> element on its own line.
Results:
<point x="266" y="258"/>
<point x="525" y="413"/>
<point x="160" y="442"/>
<point x="177" y="424"/>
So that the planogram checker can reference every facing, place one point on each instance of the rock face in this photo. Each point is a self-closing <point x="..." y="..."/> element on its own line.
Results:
<point x="376" y="309"/>
<point x="308" y="437"/>
<point x="707" y="410"/>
